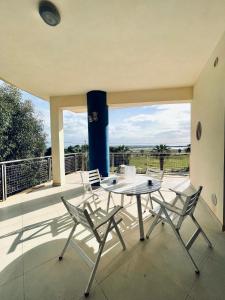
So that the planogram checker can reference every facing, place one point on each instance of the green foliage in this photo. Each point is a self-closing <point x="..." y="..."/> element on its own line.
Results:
<point x="161" y="151"/>
<point x="21" y="132"/>
<point x="188" y="148"/>
<point x="77" y="149"/>
<point x="171" y="162"/>
<point x="48" y="151"/>
<point x="119" y="149"/>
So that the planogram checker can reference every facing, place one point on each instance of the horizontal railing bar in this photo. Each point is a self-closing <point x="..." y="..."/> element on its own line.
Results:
<point x="34" y="158"/>
<point x="82" y="153"/>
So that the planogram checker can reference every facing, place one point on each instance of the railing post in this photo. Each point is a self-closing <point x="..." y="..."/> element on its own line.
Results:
<point x="4" y="182"/>
<point x="113" y="162"/>
<point x="49" y="169"/>
<point x="3" y="187"/>
<point x="75" y="167"/>
<point x="86" y="161"/>
<point x="82" y="164"/>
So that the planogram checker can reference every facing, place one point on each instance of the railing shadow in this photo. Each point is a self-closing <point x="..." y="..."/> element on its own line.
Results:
<point x="18" y="209"/>
<point x="57" y="225"/>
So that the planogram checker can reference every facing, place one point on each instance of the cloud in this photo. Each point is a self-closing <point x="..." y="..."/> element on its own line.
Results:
<point x="75" y="128"/>
<point x="167" y="124"/>
<point x="146" y="125"/>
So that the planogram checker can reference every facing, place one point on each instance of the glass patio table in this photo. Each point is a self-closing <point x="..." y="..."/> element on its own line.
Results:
<point x="133" y="186"/>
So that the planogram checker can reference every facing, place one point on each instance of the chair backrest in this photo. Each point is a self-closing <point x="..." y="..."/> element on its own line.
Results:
<point x="90" y="177"/>
<point x="155" y="173"/>
<point x="81" y="216"/>
<point x="130" y="171"/>
<point x="189" y="205"/>
<point x="94" y="176"/>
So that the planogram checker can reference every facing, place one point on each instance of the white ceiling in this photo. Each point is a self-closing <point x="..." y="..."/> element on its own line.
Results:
<point x="110" y="45"/>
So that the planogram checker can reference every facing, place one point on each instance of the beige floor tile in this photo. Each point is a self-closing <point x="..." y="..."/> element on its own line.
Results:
<point x="59" y="280"/>
<point x="12" y="290"/>
<point x="34" y="229"/>
<point x="211" y="282"/>
<point x="37" y="253"/>
<point x="136" y="279"/>
<point x="11" y="264"/>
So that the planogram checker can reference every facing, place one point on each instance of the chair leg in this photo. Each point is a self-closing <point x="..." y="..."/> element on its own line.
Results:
<point x="181" y="241"/>
<point x="122" y="200"/>
<point x="67" y="242"/>
<point x="93" y="272"/>
<point x="94" y="201"/>
<point x="131" y="199"/>
<point x="202" y="232"/>
<point x="155" y="222"/>
<point x="108" y="201"/>
<point x="149" y="200"/>
<point x="111" y="196"/>
<point x="119" y="234"/>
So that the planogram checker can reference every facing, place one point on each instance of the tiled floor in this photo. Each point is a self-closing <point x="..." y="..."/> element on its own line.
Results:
<point x="33" y="229"/>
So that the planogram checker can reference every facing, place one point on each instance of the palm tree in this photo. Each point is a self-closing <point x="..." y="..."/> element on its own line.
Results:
<point x="188" y="148"/>
<point x="161" y="151"/>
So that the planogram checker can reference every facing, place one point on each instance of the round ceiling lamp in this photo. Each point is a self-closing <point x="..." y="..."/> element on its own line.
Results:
<point x="49" y="13"/>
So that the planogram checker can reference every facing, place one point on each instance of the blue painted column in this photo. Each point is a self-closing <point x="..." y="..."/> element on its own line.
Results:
<point x="98" y="120"/>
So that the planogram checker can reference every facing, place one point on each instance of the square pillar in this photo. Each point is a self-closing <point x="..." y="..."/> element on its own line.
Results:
<point x="57" y="139"/>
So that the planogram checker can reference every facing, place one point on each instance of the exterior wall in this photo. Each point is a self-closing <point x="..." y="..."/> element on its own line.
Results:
<point x="207" y="157"/>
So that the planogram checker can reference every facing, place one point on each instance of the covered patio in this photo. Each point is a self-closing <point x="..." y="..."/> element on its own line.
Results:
<point x="135" y="53"/>
<point x="34" y="226"/>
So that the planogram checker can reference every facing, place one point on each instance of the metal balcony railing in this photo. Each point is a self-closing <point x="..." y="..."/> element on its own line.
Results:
<point x="18" y="175"/>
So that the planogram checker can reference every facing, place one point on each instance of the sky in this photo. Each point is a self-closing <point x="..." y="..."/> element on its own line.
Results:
<point x="143" y="125"/>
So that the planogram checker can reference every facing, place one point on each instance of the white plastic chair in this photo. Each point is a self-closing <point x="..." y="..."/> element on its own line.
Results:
<point x="89" y="179"/>
<point x="155" y="174"/>
<point x="99" y="223"/>
<point x="175" y="216"/>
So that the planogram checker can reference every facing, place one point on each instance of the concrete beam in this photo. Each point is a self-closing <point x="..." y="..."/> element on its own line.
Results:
<point x="78" y="103"/>
<point x="149" y="97"/>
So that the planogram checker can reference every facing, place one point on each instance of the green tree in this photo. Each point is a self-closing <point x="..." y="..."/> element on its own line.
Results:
<point x="48" y="151"/>
<point x="161" y="151"/>
<point x="21" y="131"/>
<point x="119" y="149"/>
<point x="84" y="148"/>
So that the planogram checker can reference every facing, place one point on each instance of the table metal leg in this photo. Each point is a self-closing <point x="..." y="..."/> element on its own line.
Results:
<point x="140" y="219"/>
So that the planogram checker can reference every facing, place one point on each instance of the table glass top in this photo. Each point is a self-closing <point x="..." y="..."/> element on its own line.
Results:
<point x="136" y="185"/>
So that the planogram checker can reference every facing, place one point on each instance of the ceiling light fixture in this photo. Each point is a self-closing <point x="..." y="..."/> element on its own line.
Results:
<point x="49" y="13"/>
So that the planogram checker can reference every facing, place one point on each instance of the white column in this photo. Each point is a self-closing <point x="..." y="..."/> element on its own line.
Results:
<point x="57" y="139"/>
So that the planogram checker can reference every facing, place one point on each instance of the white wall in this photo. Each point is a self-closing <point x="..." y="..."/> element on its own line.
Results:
<point x="207" y="157"/>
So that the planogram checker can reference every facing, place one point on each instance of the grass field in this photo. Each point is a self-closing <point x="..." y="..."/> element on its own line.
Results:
<point x="171" y="163"/>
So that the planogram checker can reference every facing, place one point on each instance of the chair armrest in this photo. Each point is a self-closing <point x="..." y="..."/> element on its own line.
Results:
<point x="178" y="193"/>
<point x="108" y="216"/>
<point x="172" y="208"/>
<point x="168" y="206"/>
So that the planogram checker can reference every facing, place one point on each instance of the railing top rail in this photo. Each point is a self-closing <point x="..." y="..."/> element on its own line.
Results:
<point x="83" y="153"/>
<point x="21" y="160"/>
<point x="33" y="158"/>
<point x="150" y="153"/>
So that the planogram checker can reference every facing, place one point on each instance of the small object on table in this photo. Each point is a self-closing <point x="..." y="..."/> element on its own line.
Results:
<point x="150" y="182"/>
<point x="114" y="181"/>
